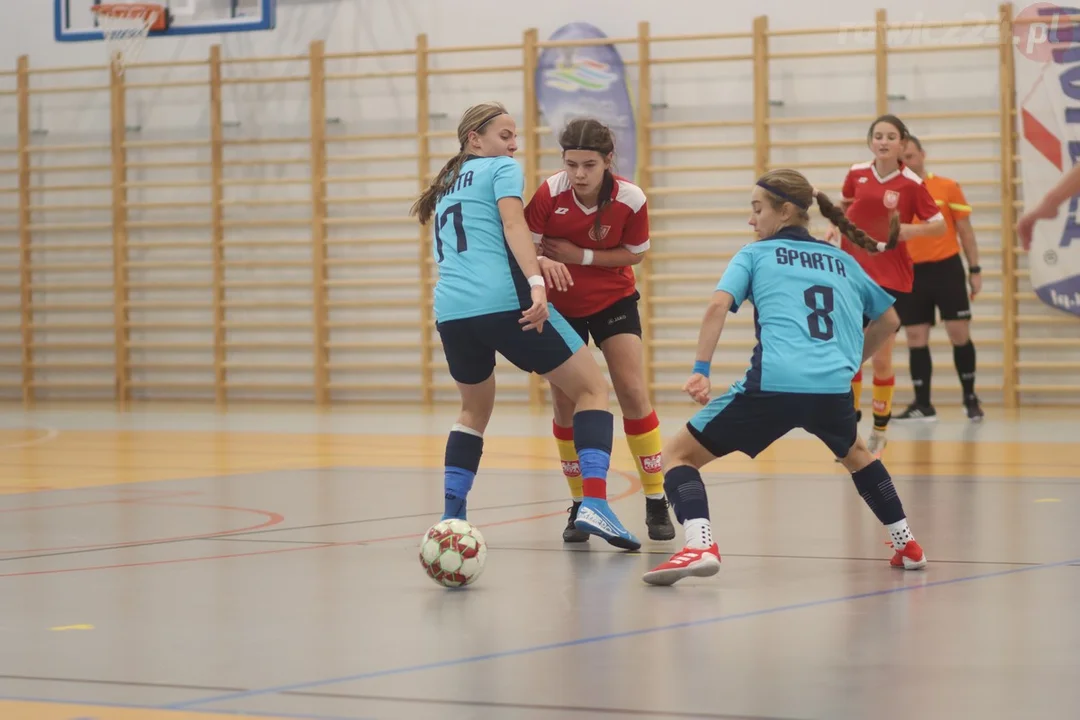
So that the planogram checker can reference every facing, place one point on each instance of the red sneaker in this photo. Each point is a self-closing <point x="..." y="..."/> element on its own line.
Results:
<point x="911" y="557"/>
<point x="686" y="562"/>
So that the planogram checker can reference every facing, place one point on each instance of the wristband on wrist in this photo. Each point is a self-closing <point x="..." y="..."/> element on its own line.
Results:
<point x="536" y="281"/>
<point x="702" y="367"/>
<point x="974" y="270"/>
<point x="587" y="257"/>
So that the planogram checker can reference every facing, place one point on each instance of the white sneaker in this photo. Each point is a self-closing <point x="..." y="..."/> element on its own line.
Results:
<point x="876" y="443"/>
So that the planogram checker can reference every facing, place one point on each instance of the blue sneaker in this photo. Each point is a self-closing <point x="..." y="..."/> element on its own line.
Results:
<point x="596" y="517"/>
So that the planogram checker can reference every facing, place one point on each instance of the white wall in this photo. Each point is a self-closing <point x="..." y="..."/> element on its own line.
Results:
<point x="839" y="86"/>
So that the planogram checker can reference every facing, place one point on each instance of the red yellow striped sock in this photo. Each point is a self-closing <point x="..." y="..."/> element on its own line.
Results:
<point x="643" y="437"/>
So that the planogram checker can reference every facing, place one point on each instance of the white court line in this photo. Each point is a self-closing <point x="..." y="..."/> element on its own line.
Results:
<point x="50" y="434"/>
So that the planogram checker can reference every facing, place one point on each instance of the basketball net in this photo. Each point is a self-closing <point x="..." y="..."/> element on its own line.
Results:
<point x="125" y="28"/>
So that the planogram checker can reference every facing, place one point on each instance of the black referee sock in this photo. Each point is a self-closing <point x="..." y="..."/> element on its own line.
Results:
<point x="922" y="368"/>
<point x="964" y="357"/>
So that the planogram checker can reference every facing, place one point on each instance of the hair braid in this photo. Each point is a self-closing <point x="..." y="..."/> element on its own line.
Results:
<point x="852" y="232"/>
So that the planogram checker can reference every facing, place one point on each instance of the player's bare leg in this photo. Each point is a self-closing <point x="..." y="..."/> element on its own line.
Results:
<point x="884" y="384"/>
<point x="563" y="429"/>
<point x="876" y="488"/>
<point x="623" y="354"/>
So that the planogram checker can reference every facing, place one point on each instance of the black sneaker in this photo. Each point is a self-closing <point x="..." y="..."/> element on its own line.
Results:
<point x="974" y="408"/>
<point x="571" y="534"/>
<point x="916" y="412"/>
<point x="658" y="520"/>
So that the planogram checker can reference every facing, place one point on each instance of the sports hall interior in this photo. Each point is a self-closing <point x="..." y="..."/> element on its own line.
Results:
<point x="224" y="404"/>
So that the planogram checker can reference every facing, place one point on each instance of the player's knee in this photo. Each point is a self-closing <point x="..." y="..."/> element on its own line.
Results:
<point x="883" y="366"/>
<point x="679" y="450"/>
<point x="858" y="456"/>
<point x="959" y="331"/>
<point x="633" y="397"/>
<point x="917" y="335"/>
<point x="562" y="407"/>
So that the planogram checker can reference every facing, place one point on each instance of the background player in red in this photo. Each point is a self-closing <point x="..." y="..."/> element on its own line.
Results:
<point x="872" y="192"/>
<point x="597" y="224"/>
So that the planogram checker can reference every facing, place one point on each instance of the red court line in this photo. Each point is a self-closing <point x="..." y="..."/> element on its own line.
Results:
<point x="273" y="518"/>
<point x="635" y="485"/>
<point x="87" y="503"/>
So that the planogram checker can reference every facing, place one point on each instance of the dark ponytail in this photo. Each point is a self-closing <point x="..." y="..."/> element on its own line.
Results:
<point x="607" y="189"/>
<point x="473" y="120"/>
<point x="424" y="207"/>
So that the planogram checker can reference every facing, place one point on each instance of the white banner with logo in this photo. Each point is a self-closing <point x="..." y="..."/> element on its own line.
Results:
<point x="1048" y="120"/>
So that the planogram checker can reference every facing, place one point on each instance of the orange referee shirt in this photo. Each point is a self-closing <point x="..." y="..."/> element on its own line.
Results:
<point x="954" y="206"/>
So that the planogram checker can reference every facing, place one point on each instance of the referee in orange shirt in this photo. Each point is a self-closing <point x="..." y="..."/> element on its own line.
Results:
<point x="940" y="281"/>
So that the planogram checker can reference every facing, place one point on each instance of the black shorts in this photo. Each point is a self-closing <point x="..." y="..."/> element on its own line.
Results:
<point x="750" y="422"/>
<point x="619" y="318"/>
<point x="470" y="344"/>
<point x="942" y="285"/>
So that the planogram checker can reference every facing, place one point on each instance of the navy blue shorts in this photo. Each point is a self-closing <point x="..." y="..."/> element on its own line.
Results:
<point x="750" y="422"/>
<point x="470" y="344"/>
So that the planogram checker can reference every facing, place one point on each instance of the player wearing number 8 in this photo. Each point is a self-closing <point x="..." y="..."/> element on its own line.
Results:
<point x="491" y="297"/>
<point x="811" y="301"/>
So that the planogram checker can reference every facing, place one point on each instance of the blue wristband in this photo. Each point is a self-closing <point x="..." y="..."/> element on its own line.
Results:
<point x="701" y="367"/>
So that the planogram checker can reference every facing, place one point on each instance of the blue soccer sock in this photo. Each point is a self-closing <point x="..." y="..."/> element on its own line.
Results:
<point x="464" y="447"/>
<point x="593" y="433"/>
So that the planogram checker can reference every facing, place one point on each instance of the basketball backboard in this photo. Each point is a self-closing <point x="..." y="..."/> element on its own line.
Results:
<point x="75" y="22"/>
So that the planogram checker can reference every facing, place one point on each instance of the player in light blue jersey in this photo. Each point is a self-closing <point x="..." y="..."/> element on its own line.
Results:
<point x="818" y="317"/>
<point x="491" y="297"/>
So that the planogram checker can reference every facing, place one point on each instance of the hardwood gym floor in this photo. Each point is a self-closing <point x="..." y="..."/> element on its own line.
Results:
<point x="171" y="562"/>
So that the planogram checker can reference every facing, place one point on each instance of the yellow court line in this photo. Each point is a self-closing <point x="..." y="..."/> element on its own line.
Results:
<point x="85" y="459"/>
<point x="19" y="710"/>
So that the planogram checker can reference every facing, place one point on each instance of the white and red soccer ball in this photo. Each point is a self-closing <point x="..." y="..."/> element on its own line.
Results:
<point x="453" y="552"/>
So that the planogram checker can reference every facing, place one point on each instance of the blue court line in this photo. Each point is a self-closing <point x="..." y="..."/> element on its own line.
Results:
<point x="123" y="706"/>
<point x="611" y="636"/>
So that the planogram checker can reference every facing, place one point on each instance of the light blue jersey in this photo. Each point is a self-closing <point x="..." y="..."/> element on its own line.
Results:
<point x="477" y="272"/>
<point x="811" y="301"/>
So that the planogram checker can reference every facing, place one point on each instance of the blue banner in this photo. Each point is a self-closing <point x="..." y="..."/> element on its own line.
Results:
<point x="588" y="82"/>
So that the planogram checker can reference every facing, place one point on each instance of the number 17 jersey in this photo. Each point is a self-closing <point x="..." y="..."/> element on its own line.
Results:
<point x="478" y="274"/>
<point x="811" y="302"/>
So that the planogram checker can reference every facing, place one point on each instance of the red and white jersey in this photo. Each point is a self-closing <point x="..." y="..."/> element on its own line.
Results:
<point x="555" y="211"/>
<point x="873" y="198"/>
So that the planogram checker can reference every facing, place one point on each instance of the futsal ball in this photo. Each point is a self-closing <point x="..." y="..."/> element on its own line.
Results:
<point x="453" y="553"/>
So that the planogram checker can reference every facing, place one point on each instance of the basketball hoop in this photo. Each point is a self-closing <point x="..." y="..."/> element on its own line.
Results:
<point x="125" y="27"/>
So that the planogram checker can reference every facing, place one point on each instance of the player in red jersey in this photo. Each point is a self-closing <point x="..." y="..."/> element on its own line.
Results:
<point x="872" y="192"/>
<point x="597" y="224"/>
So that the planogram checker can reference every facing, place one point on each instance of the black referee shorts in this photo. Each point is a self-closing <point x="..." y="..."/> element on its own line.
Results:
<point x="942" y="285"/>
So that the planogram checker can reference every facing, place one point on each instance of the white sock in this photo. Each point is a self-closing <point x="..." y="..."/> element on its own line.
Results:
<point x="698" y="534"/>
<point x="655" y="496"/>
<point x="900" y="534"/>
<point x="458" y="427"/>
